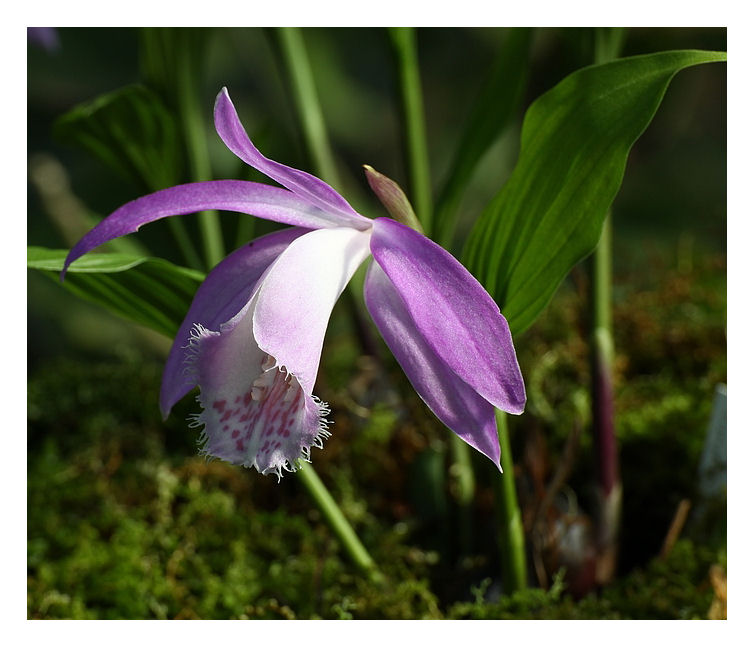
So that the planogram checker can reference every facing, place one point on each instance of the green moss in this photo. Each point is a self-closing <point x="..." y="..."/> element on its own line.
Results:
<point x="677" y="587"/>
<point x="126" y="521"/>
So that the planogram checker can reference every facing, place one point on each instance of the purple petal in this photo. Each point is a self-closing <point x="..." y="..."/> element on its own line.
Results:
<point x="297" y="294"/>
<point x="222" y="295"/>
<point x="311" y="188"/>
<point x="460" y="322"/>
<point x="257" y="371"/>
<point x="455" y="403"/>
<point x="253" y="413"/>
<point x="271" y="203"/>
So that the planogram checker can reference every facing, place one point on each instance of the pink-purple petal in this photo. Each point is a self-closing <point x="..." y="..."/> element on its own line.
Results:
<point x="222" y="295"/>
<point x="297" y="294"/>
<point x="311" y="188"/>
<point x="253" y="414"/>
<point x="455" y="403"/>
<point x="459" y="320"/>
<point x="261" y="200"/>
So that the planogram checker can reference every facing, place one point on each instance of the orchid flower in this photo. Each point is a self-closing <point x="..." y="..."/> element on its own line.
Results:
<point x="253" y="336"/>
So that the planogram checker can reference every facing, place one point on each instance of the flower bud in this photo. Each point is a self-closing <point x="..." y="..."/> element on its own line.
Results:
<point x="392" y="198"/>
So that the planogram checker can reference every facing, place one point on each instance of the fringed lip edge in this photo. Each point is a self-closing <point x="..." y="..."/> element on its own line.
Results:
<point x="198" y="332"/>
<point x="323" y="433"/>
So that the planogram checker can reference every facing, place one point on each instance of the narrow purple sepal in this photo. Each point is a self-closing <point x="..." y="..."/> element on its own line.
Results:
<point x="305" y="185"/>
<point x="222" y="295"/>
<point x="458" y="319"/>
<point x="453" y="401"/>
<point x="261" y="200"/>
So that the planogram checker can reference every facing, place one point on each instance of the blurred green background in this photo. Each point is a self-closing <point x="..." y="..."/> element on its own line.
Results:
<point x="126" y="521"/>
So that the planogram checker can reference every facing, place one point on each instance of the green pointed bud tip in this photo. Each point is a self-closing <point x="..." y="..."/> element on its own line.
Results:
<point x="392" y="198"/>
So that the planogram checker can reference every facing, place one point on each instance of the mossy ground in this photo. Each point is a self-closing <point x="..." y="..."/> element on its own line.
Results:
<point x="126" y="521"/>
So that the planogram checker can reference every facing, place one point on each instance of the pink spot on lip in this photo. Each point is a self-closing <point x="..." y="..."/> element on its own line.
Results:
<point x="218" y="404"/>
<point x="237" y="400"/>
<point x="226" y="415"/>
<point x="247" y="399"/>
<point x="236" y="433"/>
<point x="239" y="445"/>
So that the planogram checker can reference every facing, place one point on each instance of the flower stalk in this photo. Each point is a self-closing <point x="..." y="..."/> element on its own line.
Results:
<point x="511" y="529"/>
<point x="609" y="490"/>
<point x="404" y="44"/>
<point x="337" y="522"/>
<point x="605" y="443"/>
<point x="307" y="103"/>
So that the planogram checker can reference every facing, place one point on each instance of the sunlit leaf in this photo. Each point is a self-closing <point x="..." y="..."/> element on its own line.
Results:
<point x="149" y="291"/>
<point x="574" y="145"/>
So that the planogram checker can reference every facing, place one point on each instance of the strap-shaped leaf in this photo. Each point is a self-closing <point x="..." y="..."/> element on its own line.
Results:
<point x="574" y="145"/>
<point x="132" y="131"/>
<point x="149" y="291"/>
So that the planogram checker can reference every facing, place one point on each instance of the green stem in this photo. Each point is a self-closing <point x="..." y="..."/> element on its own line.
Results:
<point x="462" y="473"/>
<point x="307" y="103"/>
<point x="608" y="42"/>
<point x="404" y="43"/>
<point x="196" y="142"/>
<point x="512" y="543"/>
<point x="609" y="493"/>
<point x="607" y="46"/>
<point x="337" y="522"/>
<point x="600" y="269"/>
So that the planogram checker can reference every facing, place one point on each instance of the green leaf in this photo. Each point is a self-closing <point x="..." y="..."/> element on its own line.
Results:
<point x="574" y="145"/>
<point x="493" y="111"/>
<point x="132" y="131"/>
<point x="149" y="291"/>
